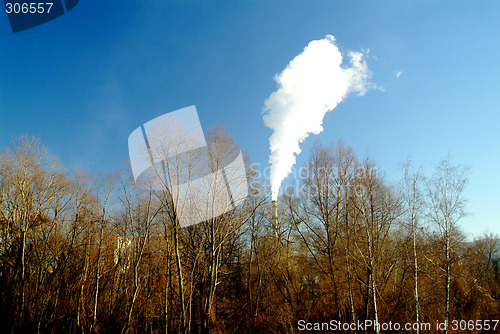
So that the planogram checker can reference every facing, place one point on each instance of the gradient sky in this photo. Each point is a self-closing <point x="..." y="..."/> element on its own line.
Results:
<point x="83" y="82"/>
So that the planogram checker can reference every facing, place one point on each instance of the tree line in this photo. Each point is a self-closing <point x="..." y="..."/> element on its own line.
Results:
<point x="82" y="253"/>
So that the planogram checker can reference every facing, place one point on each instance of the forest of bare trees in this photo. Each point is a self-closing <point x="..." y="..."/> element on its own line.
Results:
<point x="82" y="253"/>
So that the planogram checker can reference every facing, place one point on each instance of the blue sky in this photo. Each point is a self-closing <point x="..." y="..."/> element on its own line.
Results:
<point x="83" y="82"/>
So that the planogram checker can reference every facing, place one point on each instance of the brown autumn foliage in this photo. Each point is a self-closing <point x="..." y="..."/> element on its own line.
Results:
<point x="87" y="254"/>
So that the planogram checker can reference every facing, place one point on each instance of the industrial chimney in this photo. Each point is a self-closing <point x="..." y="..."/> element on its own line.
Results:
<point x="275" y="212"/>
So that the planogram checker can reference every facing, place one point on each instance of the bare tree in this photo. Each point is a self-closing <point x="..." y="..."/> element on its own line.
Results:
<point x="378" y="208"/>
<point x="140" y="216"/>
<point x="447" y="206"/>
<point x="84" y="203"/>
<point x="413" y="203"/>
<point x="104" y="187"/>
<point x="325" y="203"/>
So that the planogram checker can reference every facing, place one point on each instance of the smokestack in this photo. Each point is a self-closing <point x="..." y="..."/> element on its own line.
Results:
<point x="275" y="212"/>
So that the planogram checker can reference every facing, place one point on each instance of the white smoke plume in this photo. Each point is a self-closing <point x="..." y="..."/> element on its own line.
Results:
<point x="312" y="84"/>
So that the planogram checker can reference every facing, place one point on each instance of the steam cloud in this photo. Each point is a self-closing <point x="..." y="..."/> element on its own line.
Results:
<point x="312" y="84"/>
